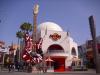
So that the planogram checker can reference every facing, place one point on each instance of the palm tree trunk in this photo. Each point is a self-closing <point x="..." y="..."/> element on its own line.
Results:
<point x="18" y="50"/>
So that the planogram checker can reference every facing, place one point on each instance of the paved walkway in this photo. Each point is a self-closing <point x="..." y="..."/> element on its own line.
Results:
<point x="89" y="72"/>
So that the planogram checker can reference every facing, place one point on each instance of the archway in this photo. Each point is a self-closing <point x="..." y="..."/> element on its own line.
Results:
<point x="55" y="48"/>
<point x="59" y="61"/>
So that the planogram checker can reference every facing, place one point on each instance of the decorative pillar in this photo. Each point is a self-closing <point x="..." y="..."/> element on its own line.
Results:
<point x="95" y="51"/>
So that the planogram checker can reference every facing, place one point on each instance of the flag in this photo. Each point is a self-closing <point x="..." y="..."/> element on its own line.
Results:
<point x="28" y="48"/>
<point x="28" y="55"/>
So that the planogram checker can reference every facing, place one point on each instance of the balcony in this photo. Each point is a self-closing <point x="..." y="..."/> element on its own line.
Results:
<point x="55" y="51"/>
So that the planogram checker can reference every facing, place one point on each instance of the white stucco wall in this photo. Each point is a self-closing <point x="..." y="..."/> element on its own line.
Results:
<point x="66" y="42"/>
<point x="63" y="42"/>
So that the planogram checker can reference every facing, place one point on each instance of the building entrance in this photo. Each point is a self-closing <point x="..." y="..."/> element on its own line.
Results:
<point x="59" y="64"/>
<point x="58" y="61"/>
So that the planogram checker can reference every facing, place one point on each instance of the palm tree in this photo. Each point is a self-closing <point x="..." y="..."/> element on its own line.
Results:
<point x="26" y="27"/>
<point x="19" y="35"/>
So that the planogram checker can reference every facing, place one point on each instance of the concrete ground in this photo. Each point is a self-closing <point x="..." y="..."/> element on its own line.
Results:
<point x="89" y="72"/>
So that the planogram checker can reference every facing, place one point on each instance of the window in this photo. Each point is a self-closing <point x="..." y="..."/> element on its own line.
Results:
<point x="73" y="52"/>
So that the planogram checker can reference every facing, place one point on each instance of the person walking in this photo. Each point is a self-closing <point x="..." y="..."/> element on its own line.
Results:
<point x="9" y="63"/>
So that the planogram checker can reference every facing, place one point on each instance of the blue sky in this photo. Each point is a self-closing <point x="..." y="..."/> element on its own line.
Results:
<point x="71" y="15"/>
